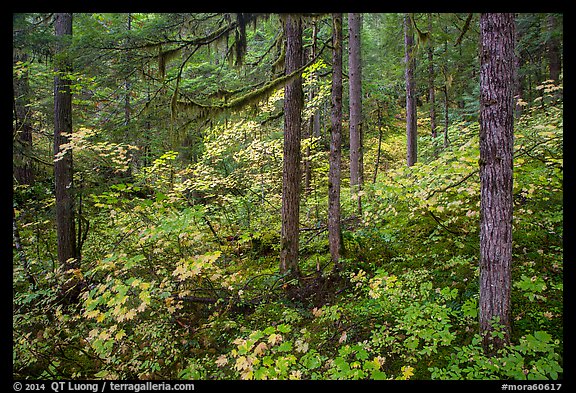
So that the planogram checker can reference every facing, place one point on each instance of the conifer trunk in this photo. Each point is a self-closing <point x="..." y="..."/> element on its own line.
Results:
<point x="63" y="170"/>
<point x="379" y="151"/>
<point x="553" y="49"/>
<point x="23" y="173"/>
<point x="334" y="230"/>
<point x="410" y="60"/>
<point x="291" y="175"/>
<point x="355" y="85"/>
<point x="496" y="149"/>
<point x="431" y="90"/>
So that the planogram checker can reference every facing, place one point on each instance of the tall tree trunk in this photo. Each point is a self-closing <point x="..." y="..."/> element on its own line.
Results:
<point x="127" y="84"/>
<point x="446" y="115"/>
<point x="22" y="167"/>
<point x="553" y="47"/>
<point x="410" y="60"/>
<point x="355" y="85"/>
<point x="312" y="121"/>
<point x="496" y="148"/>
<point x="445" y="91"/>
<point x="293" y="102"/>
<point x="518" y="79"/>
<point x="63" y="172"/>
<point x="334" y="230"/>
<point x="431" y="90"/>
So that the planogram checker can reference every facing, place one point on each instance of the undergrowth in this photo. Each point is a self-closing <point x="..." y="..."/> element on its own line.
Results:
<point x="182" y="282"/>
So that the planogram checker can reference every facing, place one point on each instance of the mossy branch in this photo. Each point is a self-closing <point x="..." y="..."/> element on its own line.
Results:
<point x="253" y="97"/>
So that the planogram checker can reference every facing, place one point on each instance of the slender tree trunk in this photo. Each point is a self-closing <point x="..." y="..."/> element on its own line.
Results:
<point x="431" y="90"/>
<point x="355" y="97"/>
<point x="411" y="125"/>
<point x="379" y="145"/>
<point x="334" y="230"/>
<point x="63" y="169"/>
<point x="293" y="101"/>
<point x="446" y="116"/>
<point x="310" y="132"/>
<point x="445" y="91"/>
<point x="127" y="84"/>
<point x="496" y="150"/>
<point x="23" y="173"/>
<point x="518" y="80"/>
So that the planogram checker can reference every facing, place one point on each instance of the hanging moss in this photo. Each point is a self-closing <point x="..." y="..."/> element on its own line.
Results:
<point x="165" y="57"/>
<point x="214" y="38"/>
<point x="254" y="97"/>
<point x="278" y="64"/>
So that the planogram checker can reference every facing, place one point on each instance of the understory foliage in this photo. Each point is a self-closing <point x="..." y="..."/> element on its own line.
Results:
<point x="181" y="264"/>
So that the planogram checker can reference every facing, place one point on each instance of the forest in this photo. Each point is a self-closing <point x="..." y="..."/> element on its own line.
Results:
<point x="321" y="196"/>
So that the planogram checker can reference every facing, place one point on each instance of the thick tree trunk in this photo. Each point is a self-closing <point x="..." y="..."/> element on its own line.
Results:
<point x="63" y="173"/>
<point x="291" y="166"/>
<point x="496" y="148"/>
<point x="334" y="235"/>
<point x="355" y="85"/>
<point x="410" y="60"/>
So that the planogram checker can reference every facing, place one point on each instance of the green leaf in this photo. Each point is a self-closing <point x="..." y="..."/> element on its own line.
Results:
<point x="311" y="360"/>
<point x="256" y="335"/>
<point x="269" y="330"/>
<point x="542" y="336"/>
<point x="286" y="346"/>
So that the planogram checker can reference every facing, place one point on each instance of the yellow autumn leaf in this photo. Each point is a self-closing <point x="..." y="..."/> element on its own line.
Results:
<point x="243" y="363"/>
<point x="407" y="372"/>
<point x="118" y="310"/>
<point x="130" y="314"/>
<point x="91" y="314"/>
<point x="121" y="333"/>
<point x="274" y="338"/>
<point x="260" y="348"/>
<point x="104" y="335"/>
